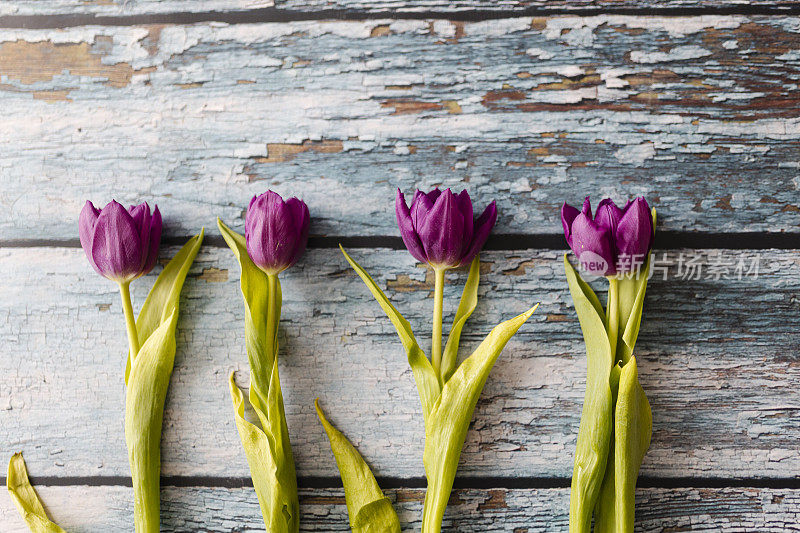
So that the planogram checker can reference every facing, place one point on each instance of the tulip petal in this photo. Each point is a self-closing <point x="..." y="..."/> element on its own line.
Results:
<point x="483" y="226"/>
<point x="592" y="244"/>
<point x="587" y="207"/>
<point x="464" y="204"/>
<point x="634" y="235"/>
<point x="116" y="245"/>
<point x="86" y="224"/>
<point x="155" y="241"/>
<point x="608" y="214"/>
<point x="406" y="225"/>
<point x="270" y="233"/>
<point x="421" y="206"/>
<point x="442" y="231"/>
<point x="568" y="214"/>
<point x="142" y="218"/>
<point x="433" y="195"/>
<point x="302" y="221"/>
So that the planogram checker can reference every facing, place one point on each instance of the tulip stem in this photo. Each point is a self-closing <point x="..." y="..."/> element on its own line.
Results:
<point x="130" y="320"/>
<point x="436" y="341"/>
<point x="272" y="319"/>
<point x="612" y="315"/>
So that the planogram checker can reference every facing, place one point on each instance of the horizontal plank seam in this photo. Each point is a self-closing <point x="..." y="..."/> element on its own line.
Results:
<point x="264" y="15"/>
<point x="323" y="482"/>
<point x="665" y="240"/>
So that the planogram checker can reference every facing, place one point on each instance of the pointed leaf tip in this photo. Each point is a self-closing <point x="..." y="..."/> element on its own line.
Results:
<point x="25" y="498"/>
<point x="369" y="510"/>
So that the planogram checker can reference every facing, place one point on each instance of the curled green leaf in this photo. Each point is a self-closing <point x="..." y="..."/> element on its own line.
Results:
<point x="144" y="414"/>
<point x="594" y="434"/>
<point x="274" y="477"/>
<point x="26" y="499"/>
<point x="147" y="380"/>
<point x="424" y="375"/>
<point x="369" y="510"/>
<point x="604" y="511"/>
<point x="633" y="424"/>
<point x="268" y="449"/>
<point x="446" y="427"/>
<point x="469" y="300"/>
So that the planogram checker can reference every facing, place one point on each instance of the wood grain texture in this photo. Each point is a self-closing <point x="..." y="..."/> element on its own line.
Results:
<point x="510" y="7"/>
<point x="718" y="360"/>
<point x="700" y="114"/>
<point x="191" y="509"/>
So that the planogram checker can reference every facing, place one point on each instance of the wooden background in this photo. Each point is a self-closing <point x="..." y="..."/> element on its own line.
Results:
<point x="198" y="105"/>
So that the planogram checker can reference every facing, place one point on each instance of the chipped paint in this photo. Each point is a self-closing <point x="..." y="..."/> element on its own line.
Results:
<point x="410" y="107"/>
<point x="636" y="154"/>
<point x="679" y="53"/>
<point x="211" y="102"/>
<point x="214" y="275"/>
<point x="32" y="62"/>
<point x="282" y="152"/>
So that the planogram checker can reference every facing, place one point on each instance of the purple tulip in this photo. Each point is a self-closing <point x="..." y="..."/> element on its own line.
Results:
<point x="615" y="241"/>
<point x="121" y="244"/>
<point x="439" y="230"/>
<point x="276" y="231"/>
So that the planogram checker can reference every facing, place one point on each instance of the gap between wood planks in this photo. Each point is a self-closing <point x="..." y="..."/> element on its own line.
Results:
<point x="324" y="482"/>
<point x="283" y="15"/>
<point x="665" y="240"/>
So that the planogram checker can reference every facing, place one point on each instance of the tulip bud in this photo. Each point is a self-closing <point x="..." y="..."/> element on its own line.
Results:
<point x="615" y="241"/>
<point x="120" y="244"/>
<point x="438" y="228"/>
<point x="276" y="231"/>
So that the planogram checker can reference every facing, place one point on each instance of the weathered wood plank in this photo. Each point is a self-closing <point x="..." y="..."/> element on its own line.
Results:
<point x="191" y="509"/>
<point x="718" y="360"/>
<point x="699" y="114"/>
<point x="150" y="7"/>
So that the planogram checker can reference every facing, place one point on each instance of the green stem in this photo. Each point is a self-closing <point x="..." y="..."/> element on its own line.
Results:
<point x="436" y="499"/>
<point x="612" y="315"/>
<point x="130" y="320"/>
<point x="436" y="341"/>
<point x="272" y="316"/>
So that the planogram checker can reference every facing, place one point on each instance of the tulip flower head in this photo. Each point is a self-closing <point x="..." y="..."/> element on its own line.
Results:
<point x="276" y="231"/>
<point x="615" y="242"/>
<point x="438" y="228"/>
<point x="121" y="244"/>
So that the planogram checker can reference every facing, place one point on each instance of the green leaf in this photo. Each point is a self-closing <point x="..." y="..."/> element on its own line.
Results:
<point x="147" y="381"/>
<point x="369" y="510"/>
<point x="469" y="300"/>
<point x="447" y="425"/>
<point x="632" y="429"/>
<point x="633" y="424"/>
<point x="144" y="413"/>
<point x="255" y="286"/>
<point x="270" y="461"/>
<point x="26" y="499"/>
<point x="268" y="449"/>
<point x="165" y="294"/>
<point x="604" y="517"/>
<point x="588" y="293"/>
<point x="591" y="451"/>
<point x="632" y="291"/>
<point x="424" y="375"/>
